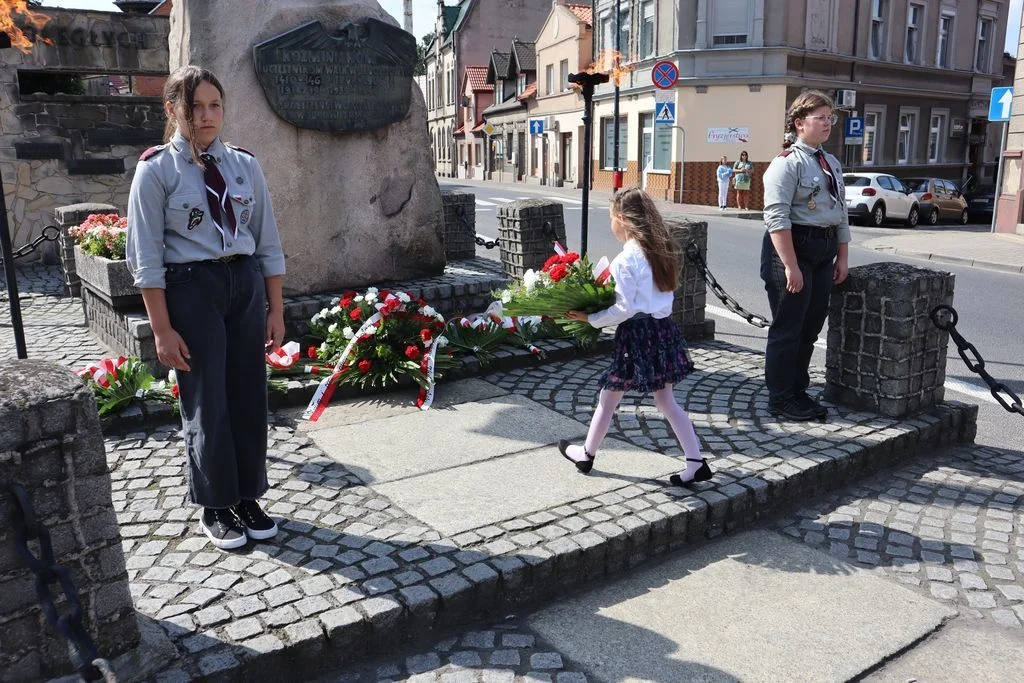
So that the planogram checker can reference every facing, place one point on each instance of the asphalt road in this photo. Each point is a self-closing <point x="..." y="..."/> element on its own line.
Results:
<point x="990" y="303"/>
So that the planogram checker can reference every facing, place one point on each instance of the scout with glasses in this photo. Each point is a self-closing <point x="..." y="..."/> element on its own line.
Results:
<point x="803" y="254"/>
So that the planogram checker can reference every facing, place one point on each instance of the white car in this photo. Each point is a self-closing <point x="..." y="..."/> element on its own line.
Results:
<point x="876" y="197"/>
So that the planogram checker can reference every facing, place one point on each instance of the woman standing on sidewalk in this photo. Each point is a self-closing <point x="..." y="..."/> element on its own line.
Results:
<point x="741" y="181"/>
<point x="723" y="173"/>
<point x="204" y="249"/>
<point x="803" y="254"/>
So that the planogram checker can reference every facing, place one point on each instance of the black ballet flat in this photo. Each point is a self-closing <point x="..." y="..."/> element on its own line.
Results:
<point x="584" y="466"/>
<point x="703" y="473"/>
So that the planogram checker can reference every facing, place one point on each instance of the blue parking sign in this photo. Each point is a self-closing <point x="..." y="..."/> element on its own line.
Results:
<point x="855" y="127"/>
<point x="536" y="126"/>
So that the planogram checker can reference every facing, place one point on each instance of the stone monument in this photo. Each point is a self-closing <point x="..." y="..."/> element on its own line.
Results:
<point x="321" y="92"/>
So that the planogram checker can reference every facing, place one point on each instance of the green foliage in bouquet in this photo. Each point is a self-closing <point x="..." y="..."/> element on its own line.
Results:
<point x="565" y="283"/>
<point x="478" y="337"/>
<point x="119" y="383"/>
<point x="396" y="345"/>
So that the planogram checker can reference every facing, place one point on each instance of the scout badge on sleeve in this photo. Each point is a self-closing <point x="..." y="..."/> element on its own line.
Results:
<point x="195" y="217"/>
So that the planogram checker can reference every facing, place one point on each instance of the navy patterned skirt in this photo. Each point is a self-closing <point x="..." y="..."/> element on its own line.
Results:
<point x="649" y="353"/>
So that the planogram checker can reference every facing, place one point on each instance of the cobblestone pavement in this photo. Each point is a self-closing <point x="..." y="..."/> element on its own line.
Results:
<point x="951" y="524"/>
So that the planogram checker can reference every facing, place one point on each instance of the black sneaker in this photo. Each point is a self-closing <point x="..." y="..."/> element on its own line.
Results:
<point x="258" y="525"/>
<point x="794" y="409"/>
<point x="820" y="411"/>
<point x="223" y="528"/>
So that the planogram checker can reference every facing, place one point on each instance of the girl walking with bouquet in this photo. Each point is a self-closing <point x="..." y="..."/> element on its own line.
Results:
<point x="204" y="250"/>
<point x="650" y="353"/>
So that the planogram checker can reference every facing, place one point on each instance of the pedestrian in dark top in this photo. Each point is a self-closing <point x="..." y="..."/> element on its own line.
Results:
<point x="204" y="249"/>
<point x="803" y="254"/>
<point x="650" y="353"/>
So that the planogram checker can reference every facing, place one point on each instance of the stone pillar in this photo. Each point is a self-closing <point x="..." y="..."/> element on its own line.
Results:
<point x="50" y="443"/>
<point x="459" y="224"/>
<point x="68" y="217"/>
<point x="691" y="295"/>
<point x="527" y="230"/>
<point x="884" y="353"/>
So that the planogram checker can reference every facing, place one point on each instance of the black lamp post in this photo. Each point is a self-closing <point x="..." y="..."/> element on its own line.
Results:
<point x="587" y="81"/>
<point x="7" y="253"/>
<point x="616" y="173"/>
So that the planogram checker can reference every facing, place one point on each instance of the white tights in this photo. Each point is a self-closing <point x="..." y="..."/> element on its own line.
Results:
<point x="666" y="403"/>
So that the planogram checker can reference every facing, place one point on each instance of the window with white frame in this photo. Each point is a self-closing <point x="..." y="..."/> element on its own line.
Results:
<point x="905" y="138"/>
<point x="549" y="79"/>
<point x="872" y="125"/>
<point x="915" y="16"/>
<point x="945" y="39"/>
<point x="981" y="62"/>
<point x="730" y="22"/>
<point x="646" y="29"/>
<point x="936" y="141"/>
<point x="563" y="75"/>
<point x="607" y="32"/>
<point x="608" y="142"/>
<point x="879" y="34"/>
<point x="521" y="83"/>
<point x="623" y="45"/>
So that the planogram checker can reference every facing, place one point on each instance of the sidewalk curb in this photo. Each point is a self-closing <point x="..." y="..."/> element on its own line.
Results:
<point x="546" y="561"/>
<point x="956" y="260"/>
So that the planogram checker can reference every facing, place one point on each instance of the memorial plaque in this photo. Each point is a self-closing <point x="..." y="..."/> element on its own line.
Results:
<point x="358" y="79"/>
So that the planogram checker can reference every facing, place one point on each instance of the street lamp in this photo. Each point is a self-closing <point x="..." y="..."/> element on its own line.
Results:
<point x="616" y="173"/>
<point x="7" y="253"/>
<point x="587" y="81"/>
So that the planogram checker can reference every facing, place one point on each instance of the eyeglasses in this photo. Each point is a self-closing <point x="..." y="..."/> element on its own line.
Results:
<point x="831" y="118"/>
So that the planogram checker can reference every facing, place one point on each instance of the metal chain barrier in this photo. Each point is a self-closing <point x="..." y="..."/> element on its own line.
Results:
<point x="693" y="255"/>
<point x="480" y="240"/>
<point x="973" y="360"/>
<point x="81" y="649"/>
<point x="50" y="234"/>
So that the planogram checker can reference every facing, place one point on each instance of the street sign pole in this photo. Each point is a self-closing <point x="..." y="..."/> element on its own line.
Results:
<point x="617" y="174"/>
<point x="999" y="177"/>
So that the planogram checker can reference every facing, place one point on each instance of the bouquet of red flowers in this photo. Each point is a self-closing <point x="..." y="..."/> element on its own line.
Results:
<point x="567" y="282"/>
<point x="375" y="338"/>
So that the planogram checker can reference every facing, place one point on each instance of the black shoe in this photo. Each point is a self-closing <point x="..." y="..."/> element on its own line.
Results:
<point x="703" y="473"/>
<point x="258" y="526"/>
<point x="223" y="528"/>
<point x="820" y="411"/>
<point x="584" y="466"/>
<point x="794" y="409"/>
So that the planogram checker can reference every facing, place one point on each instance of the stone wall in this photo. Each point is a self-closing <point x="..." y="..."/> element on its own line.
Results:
<point x="51" y="444"/>
<point x="66" y="149"/>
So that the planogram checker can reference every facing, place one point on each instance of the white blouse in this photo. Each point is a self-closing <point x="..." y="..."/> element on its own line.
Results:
<point x="635" y="291"/>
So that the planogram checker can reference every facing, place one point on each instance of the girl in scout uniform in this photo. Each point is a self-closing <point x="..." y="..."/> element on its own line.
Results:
<point x="803" y="254"/>
<point x="204" y="250"/>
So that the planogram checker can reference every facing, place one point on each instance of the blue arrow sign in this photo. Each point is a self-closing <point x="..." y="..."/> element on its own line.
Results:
<point x="665" y="113"/>
<point x="536" y="126"/>
<point x="855" y="127"/>
<point x="999" y="105"/>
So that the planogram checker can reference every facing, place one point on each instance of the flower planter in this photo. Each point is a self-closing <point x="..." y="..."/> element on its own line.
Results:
<point x="108" y="280"/>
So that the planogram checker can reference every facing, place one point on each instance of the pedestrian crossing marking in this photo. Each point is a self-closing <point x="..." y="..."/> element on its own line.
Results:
<point x="481" y="202"/>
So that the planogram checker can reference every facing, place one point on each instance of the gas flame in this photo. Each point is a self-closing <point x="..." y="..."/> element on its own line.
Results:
<point x="37" y="20"/>
<point x="610" y="61"/>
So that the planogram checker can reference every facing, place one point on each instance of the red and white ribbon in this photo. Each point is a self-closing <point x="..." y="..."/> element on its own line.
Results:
<point x="324" y="391"/>
<point x="285" y="356"/>
<point x="103" y="372"/>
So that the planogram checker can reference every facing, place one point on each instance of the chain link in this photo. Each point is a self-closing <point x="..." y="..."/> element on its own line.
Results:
<point x="693" y="254"/>
<point x="81" y="649"/>
<point x="479" y="239"/>
<point x="50" y="234"/>
<point x="973" y="360"/>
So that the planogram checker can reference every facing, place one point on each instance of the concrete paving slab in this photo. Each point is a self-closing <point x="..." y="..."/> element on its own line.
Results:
<point x="409" y="445"/>
<point x="472" y="496"/>
<point x="400" y="402"/>
<point x="963" y="650"/>
<point x="753" y="607"/>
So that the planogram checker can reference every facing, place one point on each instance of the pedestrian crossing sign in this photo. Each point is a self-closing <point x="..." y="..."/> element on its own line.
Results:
<point x="665" y="112"/>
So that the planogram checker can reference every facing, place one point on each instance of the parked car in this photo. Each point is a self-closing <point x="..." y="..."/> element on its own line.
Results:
<point x="877" y="197"/>
<point x="939" y="199"/>
<point x="981" y="202"/>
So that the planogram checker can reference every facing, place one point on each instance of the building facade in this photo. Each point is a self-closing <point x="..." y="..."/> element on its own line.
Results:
<point x="465" y="35"/>
<point x="514" y="77"/>
<point x="477" y="95"/>
<point x="917" y="71"/>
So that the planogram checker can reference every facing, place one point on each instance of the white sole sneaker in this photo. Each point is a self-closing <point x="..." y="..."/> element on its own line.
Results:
<point x="260" y="535"/>
<point x="227" y="543"/>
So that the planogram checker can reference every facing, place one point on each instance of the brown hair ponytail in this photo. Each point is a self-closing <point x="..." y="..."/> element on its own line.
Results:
<point x="644" y="224"/>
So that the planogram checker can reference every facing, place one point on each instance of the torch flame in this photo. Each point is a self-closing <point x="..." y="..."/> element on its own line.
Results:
<point x="610" y="61"/>
<point x="37" y="20"/>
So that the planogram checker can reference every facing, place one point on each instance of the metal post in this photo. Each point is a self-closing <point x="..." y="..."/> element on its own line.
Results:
<point x="999" y="177"/>
<point x="7" y="253"/>
<point x="588" y="103"/>
<point x="617" y="174"/>
<point x="682" y="157"/>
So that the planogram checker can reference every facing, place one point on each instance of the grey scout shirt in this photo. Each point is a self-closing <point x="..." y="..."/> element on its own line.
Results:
<point x="792" y="179"/>
<point x="169" y="215"/>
